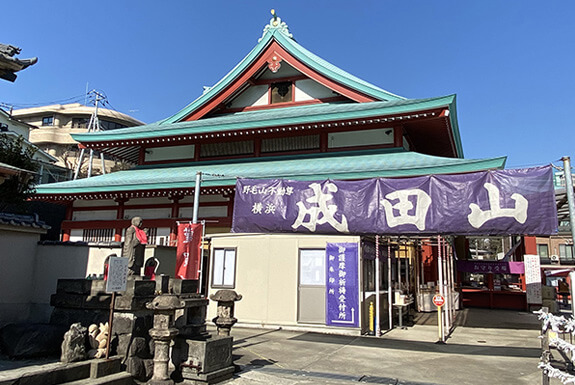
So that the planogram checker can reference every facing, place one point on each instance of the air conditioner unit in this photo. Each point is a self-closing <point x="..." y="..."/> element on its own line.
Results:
<point x="554" y="258"/>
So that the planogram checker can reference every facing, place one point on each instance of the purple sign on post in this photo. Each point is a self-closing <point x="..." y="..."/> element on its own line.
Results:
<point x="505" y="202"/>
<point x="342" y="303"/>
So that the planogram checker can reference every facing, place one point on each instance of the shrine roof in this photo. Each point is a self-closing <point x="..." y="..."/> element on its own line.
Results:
<point x="316" y="113"/>
<point x="349" y="165"/>
<point x="279" y="33"/>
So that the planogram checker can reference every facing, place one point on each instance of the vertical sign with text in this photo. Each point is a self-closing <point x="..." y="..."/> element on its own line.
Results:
<point x="189" y="250"/>
<point x="342" y="296"/>
<point x="533" y="279"/>
<point x="117" y="274"/>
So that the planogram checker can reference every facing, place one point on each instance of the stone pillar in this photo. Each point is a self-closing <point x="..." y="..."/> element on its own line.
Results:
<point x="225" y="319"/>
<point x="164" y="307"/>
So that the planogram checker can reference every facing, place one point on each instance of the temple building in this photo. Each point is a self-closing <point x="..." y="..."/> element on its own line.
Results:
<point x="281" y="112"/>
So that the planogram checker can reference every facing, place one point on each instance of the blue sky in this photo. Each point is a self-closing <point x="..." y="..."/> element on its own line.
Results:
<point x="509" y="62"/>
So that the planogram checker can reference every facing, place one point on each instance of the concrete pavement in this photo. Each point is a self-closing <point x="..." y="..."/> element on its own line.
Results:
<point x="488" y="347"/>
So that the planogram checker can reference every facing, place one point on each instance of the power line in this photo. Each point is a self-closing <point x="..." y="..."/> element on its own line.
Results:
<point x="77" y="98"/>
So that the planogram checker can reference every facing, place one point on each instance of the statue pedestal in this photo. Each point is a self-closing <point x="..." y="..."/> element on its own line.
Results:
<point x="203" y="361"/>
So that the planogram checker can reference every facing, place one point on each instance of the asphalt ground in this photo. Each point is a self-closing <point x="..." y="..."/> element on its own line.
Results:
<point x="486" y="347"/>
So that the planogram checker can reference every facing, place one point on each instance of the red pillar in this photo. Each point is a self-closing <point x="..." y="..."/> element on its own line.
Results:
<point x="175" y="214"/>
<point x="69" y="216"/>
<point x="119" y="216"/>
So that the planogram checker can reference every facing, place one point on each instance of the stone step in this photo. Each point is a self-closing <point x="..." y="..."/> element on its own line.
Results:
<point x="48" y="374"/>
<point x="122" y="378"/>
<point x="59" y="373"/>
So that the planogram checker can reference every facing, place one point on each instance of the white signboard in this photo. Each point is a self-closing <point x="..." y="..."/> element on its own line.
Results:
<point x="117" y="274"/>
<point x="533" y="279"/>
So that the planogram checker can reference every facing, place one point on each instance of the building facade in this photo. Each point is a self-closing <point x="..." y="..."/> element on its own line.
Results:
<point x="48" y="169"/>
<point x="54" y="125"/>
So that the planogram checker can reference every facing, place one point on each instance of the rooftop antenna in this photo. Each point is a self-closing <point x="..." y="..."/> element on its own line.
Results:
<point x="93" y="126"/>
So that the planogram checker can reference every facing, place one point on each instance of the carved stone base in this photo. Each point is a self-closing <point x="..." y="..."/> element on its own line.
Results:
<point x="203" y="362"/>
<point x="210" y="378"/>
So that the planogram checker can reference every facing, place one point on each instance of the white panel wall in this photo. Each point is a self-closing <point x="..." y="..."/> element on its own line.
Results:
<point x="17" y="258"/>
<point x="267" y="274"/>
<point x="205" y="212"/>
<point x="94" y="203"/>
<point x="205" y="198"/>
<point x="252" y="96"/>
<point x="94" y="215"/>
<point x="148" y="213"/>
<point x="169" y="153"/>
<point x="76" y="235"/>
<point x="148" y="201"/>
<point x="360" y="138"/>
<point x="309" y="89"/>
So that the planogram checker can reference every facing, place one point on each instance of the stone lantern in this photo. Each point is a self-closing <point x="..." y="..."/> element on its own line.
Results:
<point x="163" y="332"/>
<point x="225" y="319"/>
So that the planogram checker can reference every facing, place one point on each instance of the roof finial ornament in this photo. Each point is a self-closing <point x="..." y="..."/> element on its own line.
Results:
<point x="276" y="23"/>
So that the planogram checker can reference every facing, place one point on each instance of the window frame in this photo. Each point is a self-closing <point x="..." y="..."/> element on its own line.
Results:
<point x="45" y="120"/>
<point x="302" y="254"/>
<point x="565" y="250"/>
<point x="223" y="283"/>
<point x="543" y="246"/>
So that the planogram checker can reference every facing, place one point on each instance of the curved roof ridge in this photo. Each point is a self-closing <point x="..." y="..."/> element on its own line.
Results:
<point x="299" y="52"/>
<point x="331" y="68"/>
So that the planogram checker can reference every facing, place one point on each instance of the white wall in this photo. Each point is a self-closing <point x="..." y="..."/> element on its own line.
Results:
<point x="17" y="261"/>
<point x="360" y="138"/>
<point x="267" y="274"/>
<point x="169" y="153"/>
<point x="310" y="89"/>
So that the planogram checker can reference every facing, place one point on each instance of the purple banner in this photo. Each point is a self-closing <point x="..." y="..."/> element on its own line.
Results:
<point x="342" y="303"/>
<point x="502" y="202"/>
<point x="491" y="267"/>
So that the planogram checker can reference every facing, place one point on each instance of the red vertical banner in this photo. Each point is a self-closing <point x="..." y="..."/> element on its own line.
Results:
<point x="189" y="251"/>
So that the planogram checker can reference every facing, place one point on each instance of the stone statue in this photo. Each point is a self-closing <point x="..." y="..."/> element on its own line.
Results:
<point x="74" y="344"/>
<point x="98" y="340"/>
<point x="9" y="64"/>
<point x="135" y="241"/>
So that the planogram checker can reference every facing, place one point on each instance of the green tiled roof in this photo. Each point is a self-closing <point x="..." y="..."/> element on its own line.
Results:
<point x="367" y="164"/>
<point x="276" y="117"/>
<point x="311" y="60"/>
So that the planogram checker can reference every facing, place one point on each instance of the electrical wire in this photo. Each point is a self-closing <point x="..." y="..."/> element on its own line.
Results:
<point x="78" y="98"/>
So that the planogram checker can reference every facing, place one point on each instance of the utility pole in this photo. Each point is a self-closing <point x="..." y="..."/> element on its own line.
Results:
<point x="197" y="187"/>
<point x="571" y="202"/>
<point x="93" y="126"/>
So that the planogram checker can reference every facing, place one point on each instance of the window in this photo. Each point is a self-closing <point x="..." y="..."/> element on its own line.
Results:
<point x="543" y="251"/>
<point x="566" y="251"/>
<point x="312" y="267"/>
<point x="224" y="270"/>
<point x="281" y="92"/>
<point x="80" y="122"/>
<point x="108" y="125"/>
<point x="48" y="121"/>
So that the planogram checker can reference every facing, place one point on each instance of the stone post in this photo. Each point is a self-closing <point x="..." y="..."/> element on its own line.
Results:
<point x="163" y="332"/>
<point x="225" y="319"/>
